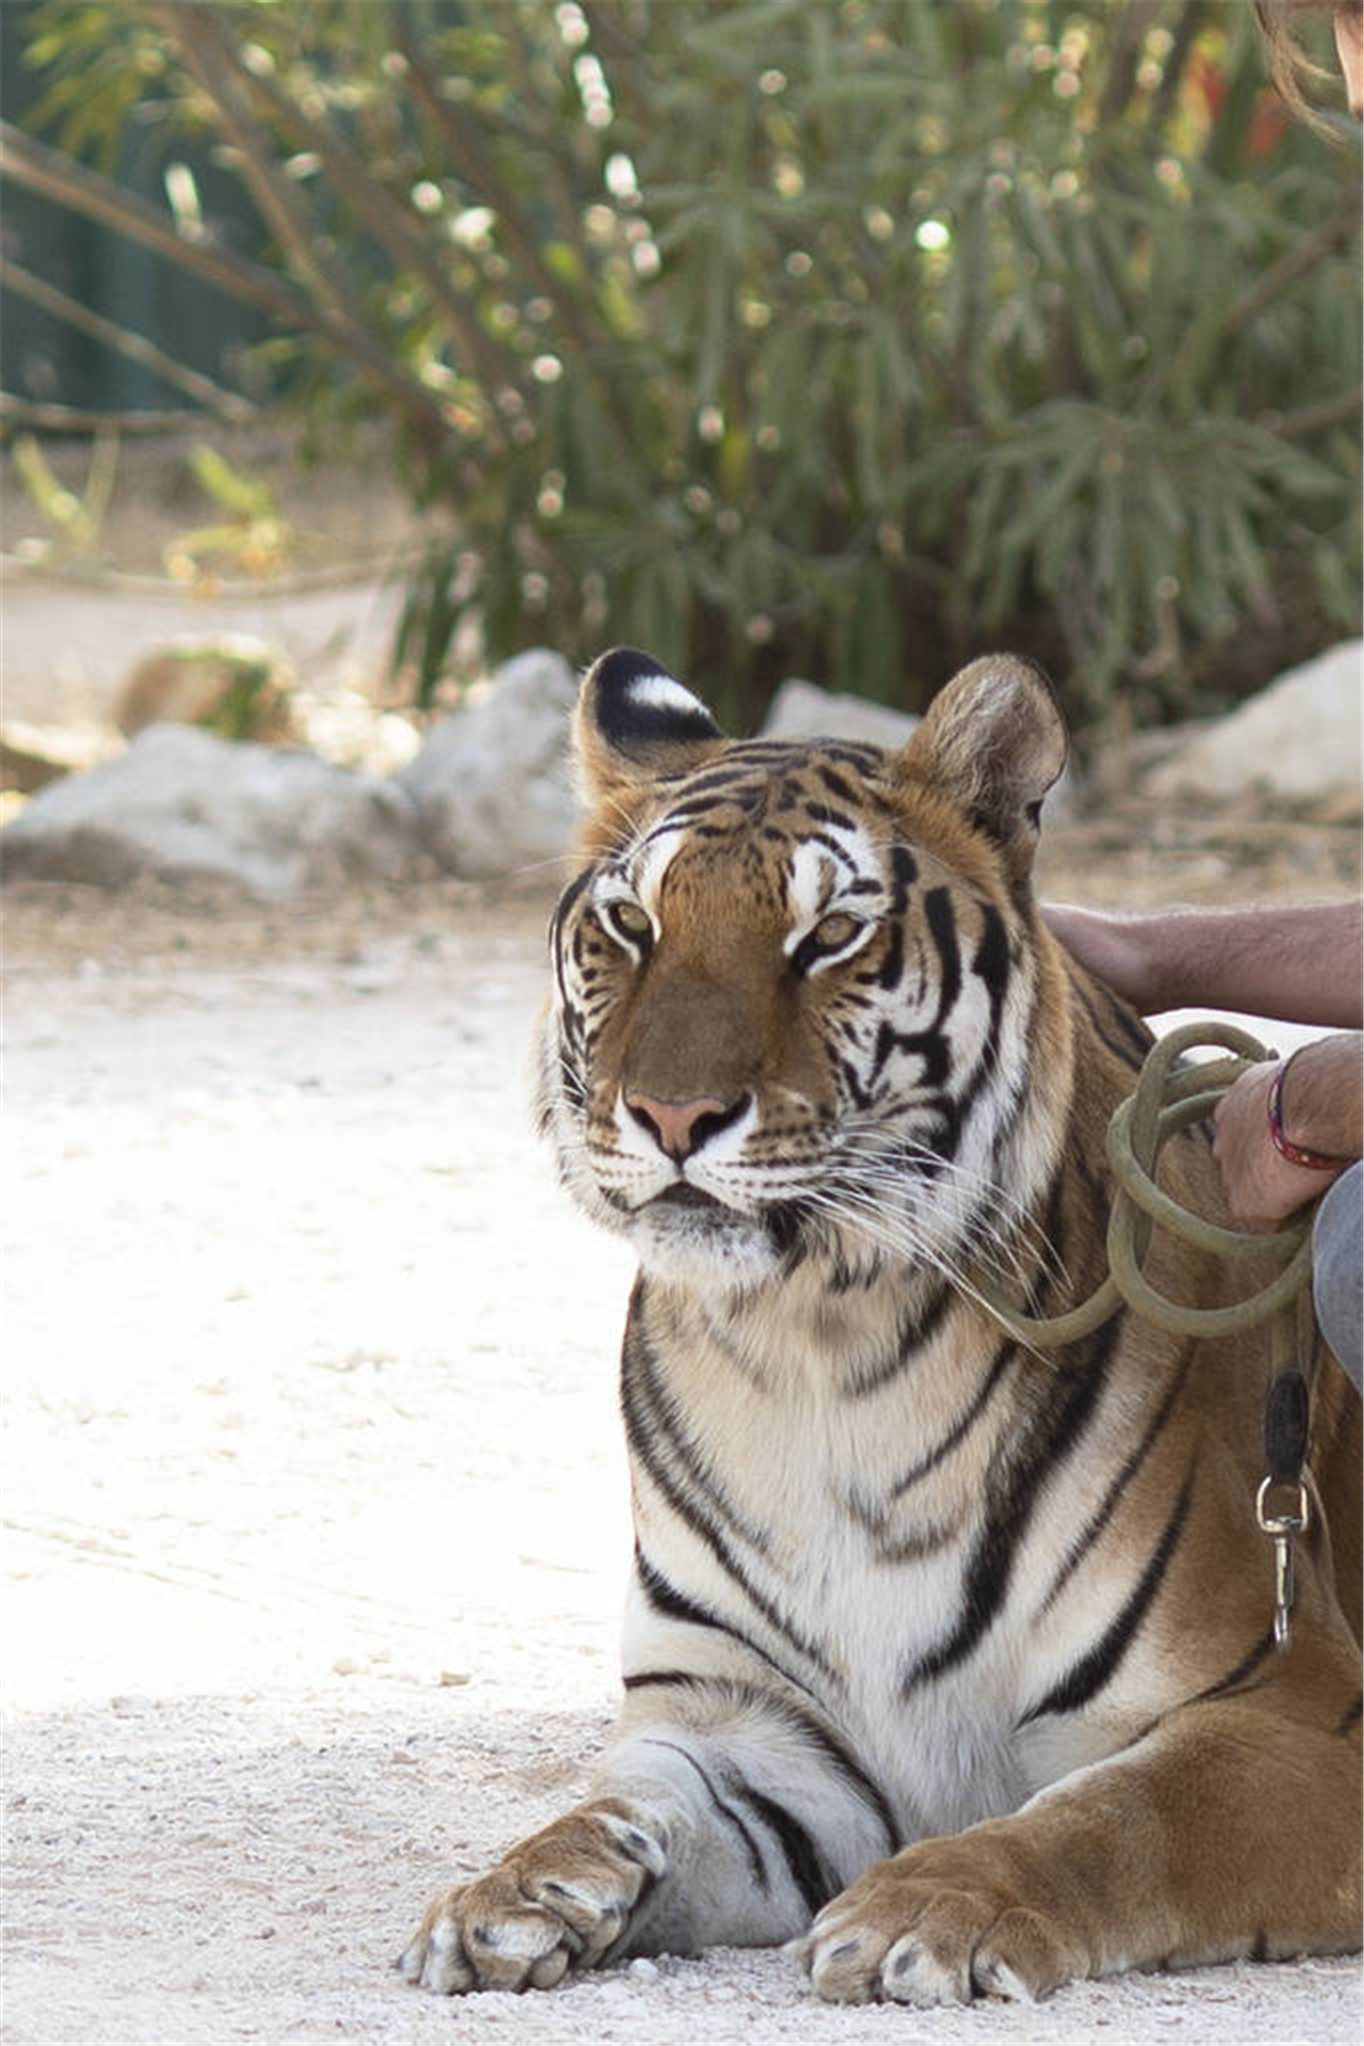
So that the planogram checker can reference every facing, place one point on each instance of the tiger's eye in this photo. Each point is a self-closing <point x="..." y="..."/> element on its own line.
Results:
<point x="630" y="919"/>
<point x="835" y="930"/>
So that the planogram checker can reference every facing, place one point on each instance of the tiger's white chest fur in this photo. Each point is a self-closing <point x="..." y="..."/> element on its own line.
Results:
<point x="824" y="1495"/>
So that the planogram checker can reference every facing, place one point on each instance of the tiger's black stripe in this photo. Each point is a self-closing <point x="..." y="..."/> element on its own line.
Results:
<point x="727" y="1812"/>
<point x="662" y="1412"/>
<point x="1057" y="1429"/>
<point x="837" y="784"/>
<point x="684" y="1506"/>
<point x="1133" y="1027"/>
<point x="1130" y="1047"/>
<point x="1096" y="1669"/>
<point x="892" y="966"/>
<point x="1240" y="1674"/>
<point x="941" y="918"/>
<point x="730" y="778"/>
<point x="1100" y="1518"/>
<point x="831" y="1749"/>
<point x="664" y="1679"/>
<point x="913" y="1333"/>
<point x="1236" y="1679"/>
<point x="666" y="1598"/>
<point x="557" y="923"/>
<point x="1351" y="1716"/>
<point x="927" y="1541"/>
<point x="991" y="964"/>
<point x="804" y="1863"/>
<point x="831" y="819"/>
<point x="931" y="1044"/>
<point x="960" y="1427"/>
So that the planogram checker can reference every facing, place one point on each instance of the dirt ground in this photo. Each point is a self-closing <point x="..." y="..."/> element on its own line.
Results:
<point x="315" y="1515"/>
<point x="314" y="1504"/>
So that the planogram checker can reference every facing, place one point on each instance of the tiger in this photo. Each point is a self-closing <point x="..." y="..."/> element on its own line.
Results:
<point x="948" y="1662"/>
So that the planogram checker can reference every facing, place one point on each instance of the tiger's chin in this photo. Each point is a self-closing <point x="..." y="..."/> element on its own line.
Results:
<point x="686" y="1237"/>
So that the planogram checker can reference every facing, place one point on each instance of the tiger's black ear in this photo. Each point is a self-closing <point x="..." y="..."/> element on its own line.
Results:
<point x="635" y="722"/>
<point x="993" y="741"/>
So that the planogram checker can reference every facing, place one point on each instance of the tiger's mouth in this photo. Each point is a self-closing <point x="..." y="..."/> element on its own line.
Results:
<point x="779" y="1224"/>
<point x="684" y="1196"/>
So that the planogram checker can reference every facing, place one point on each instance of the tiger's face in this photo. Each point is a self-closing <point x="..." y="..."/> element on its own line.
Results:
<point x="799" y="989"/>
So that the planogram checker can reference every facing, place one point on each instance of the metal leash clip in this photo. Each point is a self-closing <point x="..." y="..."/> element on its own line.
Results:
<point x="1286" y="1430"/>
<point x="1281" y="1528"/>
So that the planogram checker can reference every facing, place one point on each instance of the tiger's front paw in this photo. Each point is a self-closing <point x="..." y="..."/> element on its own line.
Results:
<point x="938" y="1924"/>
<point x="559" y="1901"/>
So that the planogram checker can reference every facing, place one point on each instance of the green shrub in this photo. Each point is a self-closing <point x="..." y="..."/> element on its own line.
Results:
<point x="833" y="337"/>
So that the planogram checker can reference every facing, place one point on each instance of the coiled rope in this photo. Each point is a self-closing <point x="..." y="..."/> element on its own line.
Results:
<point x="1168" y="1097"/>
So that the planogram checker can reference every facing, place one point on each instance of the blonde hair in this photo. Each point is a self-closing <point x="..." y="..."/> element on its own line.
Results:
<point x="1294" y="73"/>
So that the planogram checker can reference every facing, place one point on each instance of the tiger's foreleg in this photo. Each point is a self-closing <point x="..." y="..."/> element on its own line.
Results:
<point x="1230" y="1830"/>
<point x="713" y="1823"/>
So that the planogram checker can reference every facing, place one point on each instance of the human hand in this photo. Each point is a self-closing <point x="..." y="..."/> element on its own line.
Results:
<point x="1263" y="1188"/>
<point x="1118" y="950"/>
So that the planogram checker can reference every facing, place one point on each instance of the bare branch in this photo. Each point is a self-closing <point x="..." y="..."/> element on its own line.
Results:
<point x="1302" y="257"/>
<point x="74" y="420"/>
<point x="1326" y="412"/>
<point x="198" y="45"/>
<point x="60" y="177"/>
<point x="210" y="55"/>
<point x="1135" y="18"/>
<point x="476" y="167"/>
<point x="1186" y="33"/>
<point x="227" y="404"/>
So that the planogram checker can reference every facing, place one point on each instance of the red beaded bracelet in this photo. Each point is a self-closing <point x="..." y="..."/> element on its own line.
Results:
<point x="1314" y="1161"/>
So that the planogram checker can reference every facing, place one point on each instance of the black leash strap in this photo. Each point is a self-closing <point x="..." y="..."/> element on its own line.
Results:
<point x="1282" y="1508"/>
<point x="1286" y="1419"/>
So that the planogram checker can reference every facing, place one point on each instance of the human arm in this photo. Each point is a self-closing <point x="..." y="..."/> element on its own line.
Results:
<point x="1301" y="963"/>
<point x="1322" y="1111"/>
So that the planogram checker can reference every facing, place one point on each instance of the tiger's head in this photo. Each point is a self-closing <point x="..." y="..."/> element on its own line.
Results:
<point x="802" y="1003"/>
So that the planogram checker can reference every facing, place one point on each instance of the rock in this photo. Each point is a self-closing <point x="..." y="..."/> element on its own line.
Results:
<point x="26" y="768"/>
<point x="491" y="784"/>
<point x="1298" y="739"/>
<point x="232" y="684"/>
<point x="181" y="804"/>
<point x="802" y="710"/>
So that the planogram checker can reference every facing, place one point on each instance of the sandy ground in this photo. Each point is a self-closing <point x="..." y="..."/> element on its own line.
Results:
<point x="315" y="1512"/>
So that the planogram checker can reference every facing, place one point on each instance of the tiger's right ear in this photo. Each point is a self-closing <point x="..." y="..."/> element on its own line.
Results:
<point x="634" y="723"/>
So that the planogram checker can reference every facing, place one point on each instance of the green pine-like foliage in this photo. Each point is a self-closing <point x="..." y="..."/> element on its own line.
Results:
<point x="845" y="338"/>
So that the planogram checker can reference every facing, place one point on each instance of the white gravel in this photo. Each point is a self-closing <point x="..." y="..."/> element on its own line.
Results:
<point x="315" y="1525"/>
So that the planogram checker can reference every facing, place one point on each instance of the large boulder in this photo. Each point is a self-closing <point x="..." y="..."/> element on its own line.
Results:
<point x="802" y="710"/>
<point x="491" y="784"/>
<point x="181" y="805"/>
<point x="1299" y="739"/>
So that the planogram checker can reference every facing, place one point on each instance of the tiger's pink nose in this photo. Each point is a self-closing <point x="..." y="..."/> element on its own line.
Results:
<point x="681" y="1127"/>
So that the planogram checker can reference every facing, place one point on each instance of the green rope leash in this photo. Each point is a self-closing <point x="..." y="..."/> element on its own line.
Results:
<point x="1168" y="1097"/>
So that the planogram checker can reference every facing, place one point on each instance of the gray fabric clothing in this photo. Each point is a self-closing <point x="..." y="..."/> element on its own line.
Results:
<point x="1338" y="1268"/>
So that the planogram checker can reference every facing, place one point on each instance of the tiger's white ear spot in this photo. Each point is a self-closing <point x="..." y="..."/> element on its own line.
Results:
<point x="636" y="720"/>
<point x="661" y="692"/>
<point x="636" y="703"/>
